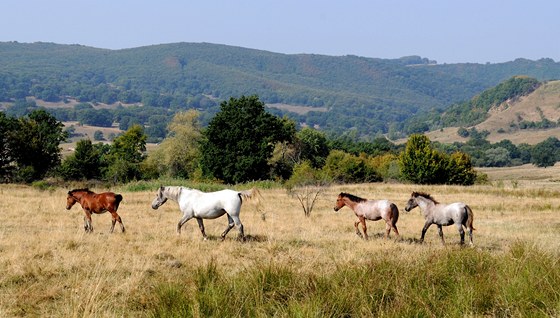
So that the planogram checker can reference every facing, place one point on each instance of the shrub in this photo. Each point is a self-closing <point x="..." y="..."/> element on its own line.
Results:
<point x="346" y="168"/>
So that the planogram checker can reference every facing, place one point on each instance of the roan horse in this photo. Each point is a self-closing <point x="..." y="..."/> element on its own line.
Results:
<point x="92" y="202"/>
<point x="370" y="210"/>
<point x="442" y="215"/>
<point x="206" y="205"/>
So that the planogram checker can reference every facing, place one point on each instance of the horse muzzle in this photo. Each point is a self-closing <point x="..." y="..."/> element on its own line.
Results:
<point x="336" y="209"/>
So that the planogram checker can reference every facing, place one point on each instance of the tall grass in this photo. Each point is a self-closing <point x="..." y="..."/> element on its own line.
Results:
<point x="454" y="282"/>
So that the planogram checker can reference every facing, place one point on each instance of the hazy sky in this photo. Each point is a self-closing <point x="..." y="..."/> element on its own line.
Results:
<point x="448" y="31"/>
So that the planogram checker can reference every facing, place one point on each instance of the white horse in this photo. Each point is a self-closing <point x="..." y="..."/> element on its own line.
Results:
<point x="439" y="214"/>
<point x="206" y="205"/>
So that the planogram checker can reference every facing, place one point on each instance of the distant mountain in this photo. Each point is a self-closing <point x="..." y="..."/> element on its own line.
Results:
<point x="336" y="93"/>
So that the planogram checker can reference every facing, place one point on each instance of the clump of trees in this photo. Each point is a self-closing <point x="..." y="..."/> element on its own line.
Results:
<point x="119" y="162"/>
<point x="240" y="140"/>
<point x="422" y="163"/>
<point x="29" y="146"/>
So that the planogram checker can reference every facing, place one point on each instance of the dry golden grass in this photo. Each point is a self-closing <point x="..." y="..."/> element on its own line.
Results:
<point x="50" y="267"/>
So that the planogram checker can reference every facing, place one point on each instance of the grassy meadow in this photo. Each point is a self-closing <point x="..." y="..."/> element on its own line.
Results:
<point x="290" y="265"/>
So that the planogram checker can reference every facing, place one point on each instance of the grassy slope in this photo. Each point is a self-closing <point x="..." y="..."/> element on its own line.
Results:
<point x="546" y="97"/>
<point x="290" y="265"/>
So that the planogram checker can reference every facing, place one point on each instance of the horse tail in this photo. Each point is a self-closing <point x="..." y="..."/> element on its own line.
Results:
<point x="252" y="194"/>
<point x="470" y="217"/>
<point x="395" y="212"/>
<point x="118" y="199"/>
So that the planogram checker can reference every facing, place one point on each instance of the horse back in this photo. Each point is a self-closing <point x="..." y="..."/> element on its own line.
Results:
<point x="377" y="209"/>
<point x="457" y="212"/>
<point x="211" y="204"/>
<point x="108" y="201"/>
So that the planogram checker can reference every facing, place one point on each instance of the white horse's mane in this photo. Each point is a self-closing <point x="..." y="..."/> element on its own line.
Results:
<point x="172" y="192"/>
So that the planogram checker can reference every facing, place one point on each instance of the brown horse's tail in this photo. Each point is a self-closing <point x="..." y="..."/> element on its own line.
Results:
<point x="395" y="211"/>
<point x="470" y="217"/>
<point x="118" y="199"/>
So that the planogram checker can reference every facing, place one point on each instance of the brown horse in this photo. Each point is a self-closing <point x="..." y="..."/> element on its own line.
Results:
<point x="98" y="203"/>
<point x="370" y="210"/>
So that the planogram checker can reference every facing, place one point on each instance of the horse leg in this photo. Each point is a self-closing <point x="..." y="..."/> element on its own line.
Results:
<point x="424" y="229"/>
<point x="120" y="222"/>
<point x="229" y="227"/>
<point x="201" y="227"/>
<point x="364" y="227"/>
<point x="394" y="226"/>
<point x="357" y="230"/>
<point x="470" y="237"/>
<point x="115" y="217"/>
<point x="239" y="226"/>
<point x="87" y="222"/>
<point x="387" y="229"/>
<point x="461" y="233"/>
<point x="183" y="220"/>
<point x="440" y="232"/>
<point x="390" y="225"/>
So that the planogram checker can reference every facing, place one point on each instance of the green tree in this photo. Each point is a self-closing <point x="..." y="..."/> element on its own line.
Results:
<point x="35" y="145"/>
<point x="240" y="140"/>
<point x="343" y="167"/>
<point x="460" y="169"/>
<point x="98" y="135"/>
<point x="7" y="126"/>
<point x="100" y="118"/>
<point x="422" y="164"/>
<point x="497" y="157"/>
<point x="313" y="146"/>
<point x="86" y="163"/>
<point x="545" y="153"/>
<point x="126" y="154"/>
<point x="178" y="154"/>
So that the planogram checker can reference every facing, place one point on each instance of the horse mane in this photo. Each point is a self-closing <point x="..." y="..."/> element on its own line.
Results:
<point x="173" y="192"/>
<point x="87" y="190"/>
<point x="425" y="195"/>
<point x="352" y="197"/>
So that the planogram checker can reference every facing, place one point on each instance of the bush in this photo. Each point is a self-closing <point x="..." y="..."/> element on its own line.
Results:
<point x="346" y="168"/>
<point x="421" y="163"/>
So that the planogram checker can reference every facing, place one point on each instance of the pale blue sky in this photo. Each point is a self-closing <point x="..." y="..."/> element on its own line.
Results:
<point x="449" y="31"/>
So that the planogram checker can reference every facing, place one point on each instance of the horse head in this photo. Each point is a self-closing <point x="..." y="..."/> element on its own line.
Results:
<point x="411" y="203"/>
<point x="160" y="199"/>
<point x="339" y="202"/>
<point x="70" y="200"/>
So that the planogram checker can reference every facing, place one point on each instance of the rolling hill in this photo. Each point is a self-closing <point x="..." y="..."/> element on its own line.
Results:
<point x="335" y="93"/>
<point x="520" y="120"/>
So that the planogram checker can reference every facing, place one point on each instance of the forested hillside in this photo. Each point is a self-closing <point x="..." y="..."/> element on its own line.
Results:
<point x="351" y="93"/>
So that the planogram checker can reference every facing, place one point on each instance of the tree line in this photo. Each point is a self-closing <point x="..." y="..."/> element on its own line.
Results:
<point x="242" y="143"/>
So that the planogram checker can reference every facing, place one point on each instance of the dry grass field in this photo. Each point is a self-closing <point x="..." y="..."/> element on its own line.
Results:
<point x="51" y="268"/>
